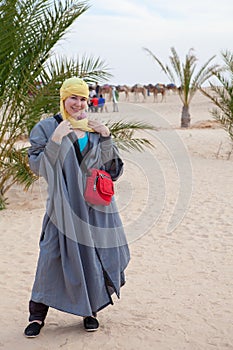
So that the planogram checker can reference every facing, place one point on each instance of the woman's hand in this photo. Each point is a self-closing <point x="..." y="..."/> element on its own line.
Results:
<point x="63" y="129"/>
<point x="97" y="126"/>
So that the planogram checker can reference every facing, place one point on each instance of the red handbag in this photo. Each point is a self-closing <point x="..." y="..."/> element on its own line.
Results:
<point x="99" y="187"/>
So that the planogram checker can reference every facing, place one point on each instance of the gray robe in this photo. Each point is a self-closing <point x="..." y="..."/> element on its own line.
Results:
<point x="83" y="248"/>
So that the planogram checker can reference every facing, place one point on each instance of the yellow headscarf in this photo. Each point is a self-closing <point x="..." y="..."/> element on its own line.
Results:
<point x="74" y="86"/>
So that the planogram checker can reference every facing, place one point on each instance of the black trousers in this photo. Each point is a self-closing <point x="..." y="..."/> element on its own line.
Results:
<point x="38" y="311"/>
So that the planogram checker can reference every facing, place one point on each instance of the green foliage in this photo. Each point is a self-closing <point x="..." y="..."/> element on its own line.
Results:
<point x="222" y="95"/>
<point x="17" y="168"/>
<point x="123" y="134"/>
<point x="184" y="76"/>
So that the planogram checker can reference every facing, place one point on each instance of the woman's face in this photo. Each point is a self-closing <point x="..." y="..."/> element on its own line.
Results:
<point x="75" y="105"/>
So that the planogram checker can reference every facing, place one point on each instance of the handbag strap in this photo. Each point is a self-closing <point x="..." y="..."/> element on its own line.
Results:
<point x="76" y="146"/>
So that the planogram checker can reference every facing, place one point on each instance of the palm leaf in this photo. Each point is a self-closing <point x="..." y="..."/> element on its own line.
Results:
<point x="16" y="167"/>
<point x="123" y="133"/>
<point x="164" y="68"/>
<point x="222" y="96"/>
<point x="176" y="64"/>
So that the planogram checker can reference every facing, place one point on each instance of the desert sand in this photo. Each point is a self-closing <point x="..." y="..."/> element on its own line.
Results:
<point x="175" y="201"/>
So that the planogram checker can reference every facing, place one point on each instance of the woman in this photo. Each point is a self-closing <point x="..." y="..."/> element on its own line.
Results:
<point x="83" y="248"/>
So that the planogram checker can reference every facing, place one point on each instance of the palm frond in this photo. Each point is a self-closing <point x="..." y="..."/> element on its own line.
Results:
<point x="120" y="126"/>
<point x="228" y="60"/>
<point x="92" y="70"/>
<point x="164" y="68"/>
<point x="206" y="72"/>
<point x="176" y="64"/>
<point x="37" y="27"/>
<point x="123" y="133"/>
<point x="132" y="144"/>
<point x="222" y="96"/>
<point x="18" y="169"/>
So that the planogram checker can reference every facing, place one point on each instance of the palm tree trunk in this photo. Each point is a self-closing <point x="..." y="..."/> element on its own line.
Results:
<point x="185" y="117"/>
<point x="2" y="201"/>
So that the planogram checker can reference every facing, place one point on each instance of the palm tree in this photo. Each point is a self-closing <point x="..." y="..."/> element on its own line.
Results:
<point x="31" y="75"/>
<point x="186" y="80"/>
<point x="222" y="96"/>
<point x="29" y="30"/>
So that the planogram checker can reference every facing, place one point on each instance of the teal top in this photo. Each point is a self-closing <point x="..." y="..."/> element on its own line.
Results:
<point x="83" y="141"/>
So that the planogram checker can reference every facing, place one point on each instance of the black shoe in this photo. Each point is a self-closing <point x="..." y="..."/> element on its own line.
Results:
<point x="90" y="323"/>
<point x="33" y="329"/>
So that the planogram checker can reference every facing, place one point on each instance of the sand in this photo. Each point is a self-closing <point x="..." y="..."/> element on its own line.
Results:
<point x="175" y="202"/>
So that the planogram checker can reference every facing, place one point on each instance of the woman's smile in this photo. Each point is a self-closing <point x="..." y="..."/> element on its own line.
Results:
<point x="75" y="106"/>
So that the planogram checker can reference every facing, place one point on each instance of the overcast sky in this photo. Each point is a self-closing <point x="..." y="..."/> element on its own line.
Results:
<point x="117" y="30"/>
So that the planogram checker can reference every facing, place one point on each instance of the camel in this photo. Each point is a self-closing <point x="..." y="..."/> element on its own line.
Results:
<point x="104" y="90"/>
<point x="137" y="89"/>
<point x="171" y="87"/>
<point x="125" y="89"/>
<point x="157" y="89"/>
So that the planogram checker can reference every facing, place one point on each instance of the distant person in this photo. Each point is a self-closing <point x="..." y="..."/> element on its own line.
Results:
<point x="90" y="105"/>
<point x="94" y="102"/>
<point x="92" y="92"/>
<point x="101" y="104"/>
<point x="97" y="90"/>
<point x="115" y="97"/>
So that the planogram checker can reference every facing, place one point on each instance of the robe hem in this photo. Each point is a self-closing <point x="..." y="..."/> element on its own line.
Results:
<point x="73" y="312"/>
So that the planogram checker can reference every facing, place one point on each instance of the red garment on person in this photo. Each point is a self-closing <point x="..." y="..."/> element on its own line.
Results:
<point x="94" y="101"/>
